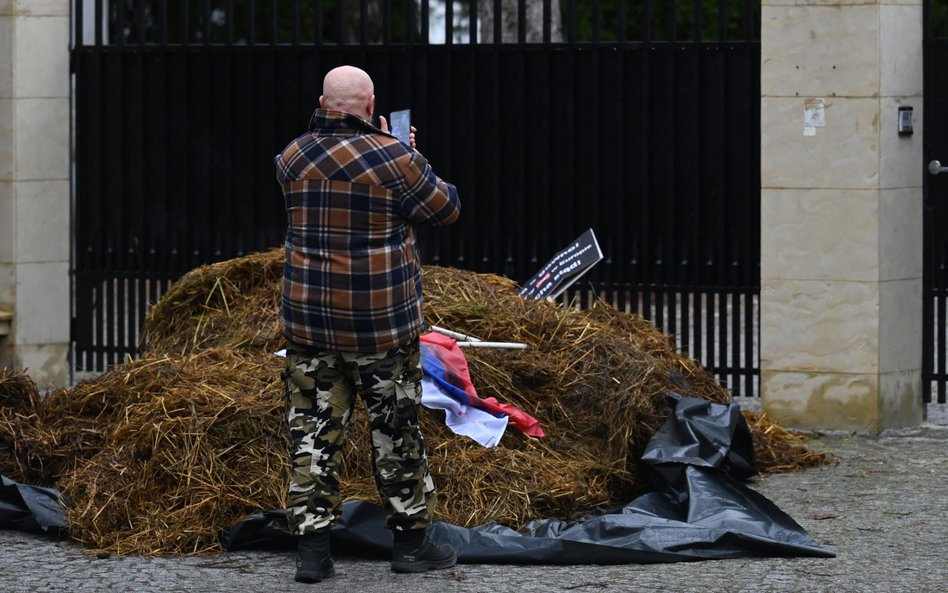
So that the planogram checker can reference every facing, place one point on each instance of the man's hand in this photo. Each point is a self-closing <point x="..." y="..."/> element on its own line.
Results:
<point x="383" y="125"/>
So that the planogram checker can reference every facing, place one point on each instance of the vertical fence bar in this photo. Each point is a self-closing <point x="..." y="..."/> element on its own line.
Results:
<point x="78" y="23"/>
<point x="750" y="29"/>
<point x="449" y="22"/>
<point x="620" y="18"/>
<point x="547" y="19"/>
<point x="473" y="17"/>
<point x="184" y="21"/>
<point x="940" y="328"/>
<point x="274" y="22"/>
<point x="252" y="22"/>
<point x="140" y="21"/>
<point x="207" y="22"/>
<point x="649" y="18"/>
<point x="498" y="22"/>
<point x="296" y="22"/>
<point x="696" y="21"/>
<point x="100" y="23"/>
<point x="425" y="25"/>
<point x="597" y="22"/>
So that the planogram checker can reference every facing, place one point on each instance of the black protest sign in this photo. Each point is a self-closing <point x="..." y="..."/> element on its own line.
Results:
<point x="564" y="268"/>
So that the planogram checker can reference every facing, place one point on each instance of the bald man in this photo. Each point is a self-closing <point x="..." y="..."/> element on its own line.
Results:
<point x="352" y="314"/>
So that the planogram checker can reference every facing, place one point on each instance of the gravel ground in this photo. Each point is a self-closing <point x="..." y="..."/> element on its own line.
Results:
<point x="883" y="508"/>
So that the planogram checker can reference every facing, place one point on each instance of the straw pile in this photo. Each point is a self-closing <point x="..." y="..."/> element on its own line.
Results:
<point x="156" y="455"/>
<point x="19" y="400"/>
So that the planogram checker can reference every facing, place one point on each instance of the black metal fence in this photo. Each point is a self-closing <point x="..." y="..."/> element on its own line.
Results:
<point x="638" y="119"/>
<point x="935" y="281"/>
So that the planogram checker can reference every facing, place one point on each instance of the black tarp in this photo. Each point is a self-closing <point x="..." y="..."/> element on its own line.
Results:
<point x="30" y="508"/>
<point x="699" y="508"/>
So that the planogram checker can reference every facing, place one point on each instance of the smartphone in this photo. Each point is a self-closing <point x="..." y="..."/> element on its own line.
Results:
<point x="400" y="122"/>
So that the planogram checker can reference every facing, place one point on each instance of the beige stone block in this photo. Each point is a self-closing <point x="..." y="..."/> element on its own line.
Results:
<point x="900" y="399"/>
<point x="7" y="285"/>
<point x="41" y="57"/>
<point x="900" y="325"/>
<point x="42" y="219"/>
<point x="42" y="139"/>
<point x="842" y="155"/>
<point x="902" y="161"/>
<point x="46" y="364"/>
<point x="6" y="139"/>
<point x="819" y="326"/>
<point x="901" y="216"/>
<point x="900" y="29"/>
<point x="822" y="401"/>
<point x="42" y="303"/>
<point x="6" y="56"/>
<point x="7" y="354"/>
<point x="7" y="226"/>
<point x="42" y="7"/>
<point x="819" y="234"/>
<point x="815" y="51"/>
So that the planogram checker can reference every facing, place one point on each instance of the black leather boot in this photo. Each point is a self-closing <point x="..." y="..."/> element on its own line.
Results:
<point x="414" y="551"/>
<point x="313" y="560"/>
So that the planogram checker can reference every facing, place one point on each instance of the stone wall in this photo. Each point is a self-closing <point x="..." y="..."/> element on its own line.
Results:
<point x="841" y="214"/>
<point x="34" y="187"/>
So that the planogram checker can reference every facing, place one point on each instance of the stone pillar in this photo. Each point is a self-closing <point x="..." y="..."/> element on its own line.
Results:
<point x="34" y="187"/>
<point x="841" y="213"/>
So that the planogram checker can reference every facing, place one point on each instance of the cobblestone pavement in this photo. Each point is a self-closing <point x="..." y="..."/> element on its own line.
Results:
<point x="883" y="508"/>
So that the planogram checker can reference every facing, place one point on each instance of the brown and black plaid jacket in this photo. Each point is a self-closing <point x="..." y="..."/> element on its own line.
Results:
<point x="352" y="276"/>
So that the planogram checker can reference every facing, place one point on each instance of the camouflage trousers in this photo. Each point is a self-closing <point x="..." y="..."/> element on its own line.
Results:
<point x="320" y="388"/>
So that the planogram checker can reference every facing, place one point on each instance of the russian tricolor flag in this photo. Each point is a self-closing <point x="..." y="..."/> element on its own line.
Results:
<point x="447" y="386"/>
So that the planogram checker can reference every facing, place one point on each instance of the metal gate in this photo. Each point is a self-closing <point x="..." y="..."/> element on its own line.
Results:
<point x="935" y="281"/>
<point x="639" y="119"/>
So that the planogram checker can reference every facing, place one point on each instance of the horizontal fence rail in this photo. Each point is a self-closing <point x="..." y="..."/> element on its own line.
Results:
<point x="655" y="145"/>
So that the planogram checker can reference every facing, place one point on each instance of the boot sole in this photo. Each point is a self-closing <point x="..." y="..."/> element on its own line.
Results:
<point x="306" y="578"/>
<point x="424" y="565"/>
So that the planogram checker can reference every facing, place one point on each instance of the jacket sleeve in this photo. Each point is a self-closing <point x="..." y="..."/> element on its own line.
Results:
<point x="426" y="198"/>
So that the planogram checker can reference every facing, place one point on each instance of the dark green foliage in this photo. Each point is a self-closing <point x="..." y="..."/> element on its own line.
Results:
<point x="320" y="22"/>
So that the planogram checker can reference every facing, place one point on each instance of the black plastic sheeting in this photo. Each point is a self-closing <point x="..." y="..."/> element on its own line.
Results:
<point x="30" y="508"/>
<point x="699" y="508"/>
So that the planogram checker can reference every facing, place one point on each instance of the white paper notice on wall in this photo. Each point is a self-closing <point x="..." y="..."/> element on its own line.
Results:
<point x="814" y="116"/>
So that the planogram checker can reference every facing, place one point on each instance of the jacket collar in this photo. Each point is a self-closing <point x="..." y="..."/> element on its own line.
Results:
<point x="327" y="122"/>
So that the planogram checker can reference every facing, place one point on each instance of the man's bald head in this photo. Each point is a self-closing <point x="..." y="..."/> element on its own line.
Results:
<point x="349" y="89"/>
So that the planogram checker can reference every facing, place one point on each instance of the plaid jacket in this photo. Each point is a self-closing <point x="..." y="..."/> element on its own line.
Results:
<point x="352" y="276"/>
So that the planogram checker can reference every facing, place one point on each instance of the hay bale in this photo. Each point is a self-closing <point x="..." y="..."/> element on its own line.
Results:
<point x="158" y="454"/>
<point x="184" y="447"/>
<point x="19" y="399"/>
<point x="778" y="449"/>
<point x="233" y="304"/>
